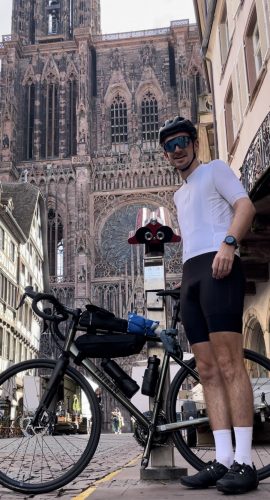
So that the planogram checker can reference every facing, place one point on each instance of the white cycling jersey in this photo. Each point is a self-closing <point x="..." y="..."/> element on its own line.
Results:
<point x="204" y="207"/>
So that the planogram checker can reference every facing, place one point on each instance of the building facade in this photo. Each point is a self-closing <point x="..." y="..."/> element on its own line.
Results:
<point x="24" y="262"/>
<point x="235" y="42"/>
<point x="80" y="113"/>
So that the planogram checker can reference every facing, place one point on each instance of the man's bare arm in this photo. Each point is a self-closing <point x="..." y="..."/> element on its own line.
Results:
<point x="244" y="212"/>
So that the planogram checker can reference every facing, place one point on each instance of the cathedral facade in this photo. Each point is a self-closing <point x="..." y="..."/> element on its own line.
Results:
<point x="80" y="113"/>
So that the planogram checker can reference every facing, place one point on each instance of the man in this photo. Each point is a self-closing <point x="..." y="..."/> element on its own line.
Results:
<point x="214" y="213"/>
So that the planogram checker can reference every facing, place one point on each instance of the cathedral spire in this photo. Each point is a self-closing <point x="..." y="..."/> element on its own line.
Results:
<point x="23" y="23"/>
<point x="87" y="14"/>
<point x="39" y="21"/>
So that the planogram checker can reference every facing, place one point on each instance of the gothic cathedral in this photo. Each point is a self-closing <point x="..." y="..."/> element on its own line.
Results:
<point x="80" y="113"/>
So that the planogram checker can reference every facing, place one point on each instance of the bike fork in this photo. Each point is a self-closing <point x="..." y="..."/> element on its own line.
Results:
<point x="148" y="448"/>
<point x="49" y="394"/>
<point x="156" y="407"/>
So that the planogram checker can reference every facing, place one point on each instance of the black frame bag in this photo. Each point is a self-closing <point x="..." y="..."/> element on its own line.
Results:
<point x="109" y="346"/>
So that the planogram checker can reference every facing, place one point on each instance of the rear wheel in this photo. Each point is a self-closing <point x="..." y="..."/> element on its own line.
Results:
<point x="197" y="447"/>
<point x="46" y="456"/>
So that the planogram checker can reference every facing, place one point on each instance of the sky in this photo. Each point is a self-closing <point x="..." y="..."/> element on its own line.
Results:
<point x="124" y="15"/>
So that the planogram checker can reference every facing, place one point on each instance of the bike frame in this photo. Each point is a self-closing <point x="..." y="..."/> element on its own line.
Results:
<point x="70" y="350"/>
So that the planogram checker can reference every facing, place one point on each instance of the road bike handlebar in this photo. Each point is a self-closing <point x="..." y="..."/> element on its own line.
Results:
<point x="62" y="312"/>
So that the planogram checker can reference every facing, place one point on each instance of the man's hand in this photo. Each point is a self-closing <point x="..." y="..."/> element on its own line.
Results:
<point x="223" y="261"/>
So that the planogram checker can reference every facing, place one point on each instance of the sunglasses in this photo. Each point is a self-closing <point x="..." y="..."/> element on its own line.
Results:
<point x="182" y="142"/>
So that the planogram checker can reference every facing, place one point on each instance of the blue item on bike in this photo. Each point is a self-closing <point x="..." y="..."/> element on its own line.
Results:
<point x="169" y="339"/>
<point x="141" y="326"/>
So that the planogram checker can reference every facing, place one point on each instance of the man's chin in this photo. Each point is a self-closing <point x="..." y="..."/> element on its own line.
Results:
<point x="181" y="165"/>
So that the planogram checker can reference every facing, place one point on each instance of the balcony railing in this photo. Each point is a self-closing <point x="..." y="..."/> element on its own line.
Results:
<point x="257" y="159"/>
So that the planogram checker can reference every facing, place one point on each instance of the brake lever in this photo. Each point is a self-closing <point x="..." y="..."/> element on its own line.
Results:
<point x="29" y="292"/>
<point x="21" y="301"/>
<point x="46" y="326"/>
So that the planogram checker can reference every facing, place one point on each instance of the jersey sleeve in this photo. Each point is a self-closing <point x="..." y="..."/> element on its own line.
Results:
<point x="226" y="183"/>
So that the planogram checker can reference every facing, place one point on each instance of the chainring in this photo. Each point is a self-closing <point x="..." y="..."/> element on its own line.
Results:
<point x="141" y="433"/>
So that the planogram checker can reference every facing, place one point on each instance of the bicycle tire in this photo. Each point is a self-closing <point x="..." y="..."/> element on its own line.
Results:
<point x="259" y="367"/>
<point x="46" y="457"/>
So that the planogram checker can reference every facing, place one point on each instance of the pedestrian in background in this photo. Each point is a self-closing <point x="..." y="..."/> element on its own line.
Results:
<point x="116" y="421"/>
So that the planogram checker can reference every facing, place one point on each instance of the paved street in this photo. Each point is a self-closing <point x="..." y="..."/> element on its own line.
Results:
<point x="113" y="452"/>
<point x="114" y="473"/>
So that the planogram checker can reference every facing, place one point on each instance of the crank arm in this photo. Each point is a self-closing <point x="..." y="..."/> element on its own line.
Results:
<point x="181" y="425"/>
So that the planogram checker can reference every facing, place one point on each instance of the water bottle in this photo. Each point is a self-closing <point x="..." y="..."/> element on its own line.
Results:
<point x="127" y="385"/>
<point x="150" y="377"/>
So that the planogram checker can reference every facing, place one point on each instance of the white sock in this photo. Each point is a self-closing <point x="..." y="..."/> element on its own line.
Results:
<point x="243" y="443"/>
<point x="224" y="449"/>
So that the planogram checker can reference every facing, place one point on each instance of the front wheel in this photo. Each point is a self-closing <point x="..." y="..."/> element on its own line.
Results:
<point x="41" y="457"/>
<point x="185" y="401"/>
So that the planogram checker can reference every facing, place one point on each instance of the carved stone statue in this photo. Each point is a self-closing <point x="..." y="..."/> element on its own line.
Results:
<point x="5" y="141"/>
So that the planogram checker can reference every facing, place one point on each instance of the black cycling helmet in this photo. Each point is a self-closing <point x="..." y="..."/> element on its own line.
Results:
<point x="177" y="124"/>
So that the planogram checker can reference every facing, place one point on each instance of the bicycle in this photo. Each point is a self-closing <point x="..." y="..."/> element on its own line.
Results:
<point x="38" y="459"/>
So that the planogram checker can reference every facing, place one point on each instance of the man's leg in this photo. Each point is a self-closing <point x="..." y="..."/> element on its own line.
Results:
<point x="219" y="414"/>
<point x="242" y="476"/>
<point x="216" y="399"/>
<point x="228" y="348"/>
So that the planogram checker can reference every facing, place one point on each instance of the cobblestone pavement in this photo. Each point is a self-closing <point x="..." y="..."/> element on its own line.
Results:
<point x="113" y="452"/>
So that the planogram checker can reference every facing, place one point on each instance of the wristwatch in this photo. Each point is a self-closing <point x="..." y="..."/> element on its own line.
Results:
<point x="230" y="240"/>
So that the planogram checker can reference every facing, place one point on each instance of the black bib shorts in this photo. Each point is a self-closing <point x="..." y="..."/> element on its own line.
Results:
<point x="208" y="304"/>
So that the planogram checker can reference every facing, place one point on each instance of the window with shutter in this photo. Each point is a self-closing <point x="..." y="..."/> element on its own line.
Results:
<point x="229" y="118"/>
<point x="262" y="28"/>
<point x="236" y="111"/>
<point x="242" y="82"/>
<point x="224" y="36"/>
<point x="255" y="42"/>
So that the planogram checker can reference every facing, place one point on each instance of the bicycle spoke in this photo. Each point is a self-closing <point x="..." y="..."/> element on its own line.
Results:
<point x="49" y="453"/>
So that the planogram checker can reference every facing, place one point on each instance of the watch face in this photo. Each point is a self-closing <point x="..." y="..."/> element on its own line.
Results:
<point x="230" y="240"/>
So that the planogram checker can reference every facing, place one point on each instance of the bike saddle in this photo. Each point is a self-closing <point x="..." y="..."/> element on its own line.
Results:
<point x="174" y="293"/>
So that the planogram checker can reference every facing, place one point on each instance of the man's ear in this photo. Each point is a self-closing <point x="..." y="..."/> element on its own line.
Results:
<point x="196" y="145"/>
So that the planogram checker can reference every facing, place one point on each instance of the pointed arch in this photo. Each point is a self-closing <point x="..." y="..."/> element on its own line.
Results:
<point x="149" y="83"/>
<point x="117" y="88"/>
<point x="29" y="76"/>
<point x="72" y="73"/>
<point x="55" y="242"/>
<point x="50" y="71"/>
